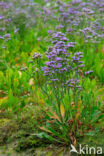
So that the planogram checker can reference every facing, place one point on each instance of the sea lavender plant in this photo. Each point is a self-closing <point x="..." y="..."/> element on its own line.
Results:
<point x="62" y="70"/>
<point x="63" y="86"/>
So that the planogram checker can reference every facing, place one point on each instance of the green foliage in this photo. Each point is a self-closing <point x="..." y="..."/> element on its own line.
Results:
<point x="23" y="88"/>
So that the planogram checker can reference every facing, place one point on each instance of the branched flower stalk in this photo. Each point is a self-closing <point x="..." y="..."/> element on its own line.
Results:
<point x="63" y="79"/>
<point x="62" y="70"/>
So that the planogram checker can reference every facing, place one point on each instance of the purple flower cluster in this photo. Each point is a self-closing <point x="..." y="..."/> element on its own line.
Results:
<point x="88" y="72"/>
<point x="74" y="83"/>
<point x="37" y="55"/>
<point x="4" y="23"/>
<point x="16" y="14"/>
<point x="62" y="64"/>
<point x="79" y="18"/>
<point x="57" y="55"/>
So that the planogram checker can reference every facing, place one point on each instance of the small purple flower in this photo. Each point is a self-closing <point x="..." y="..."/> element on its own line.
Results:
<point x="78" y="53"/>
<point x="70" y="44"/>
<point x="54" y="42"/>
<point x="1" y="17"/>
<point x="61" y="9"/>
<point x="36" y="69"/>
<point x="37" y="55"/>
<point x="62" y="70"/>
<point x="80" y="62"/>
<point x="46" y="1"/>
<point x="58" y="59"/>
<point x="16" y="30"/>
<point x="1" y="37"/>
<point x="50" y="31"/>
<point x="77" y="81"/>
<point x="60" y="26"/>
<point x="81" y="66"/>
<point x="7" y="35"/>
<point x="75" y="59"/>
<point x="9" y="19"/>
<point x="69" y="67"/>
<point x="88" y="72"/>
<point x="2" y="29"/>
<point x="4" y="47"/>
<point x="78" y="86"/>
<point x="70" y="85"/>
<point x="45" y="68"/>
<point x="54" y="80"/>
